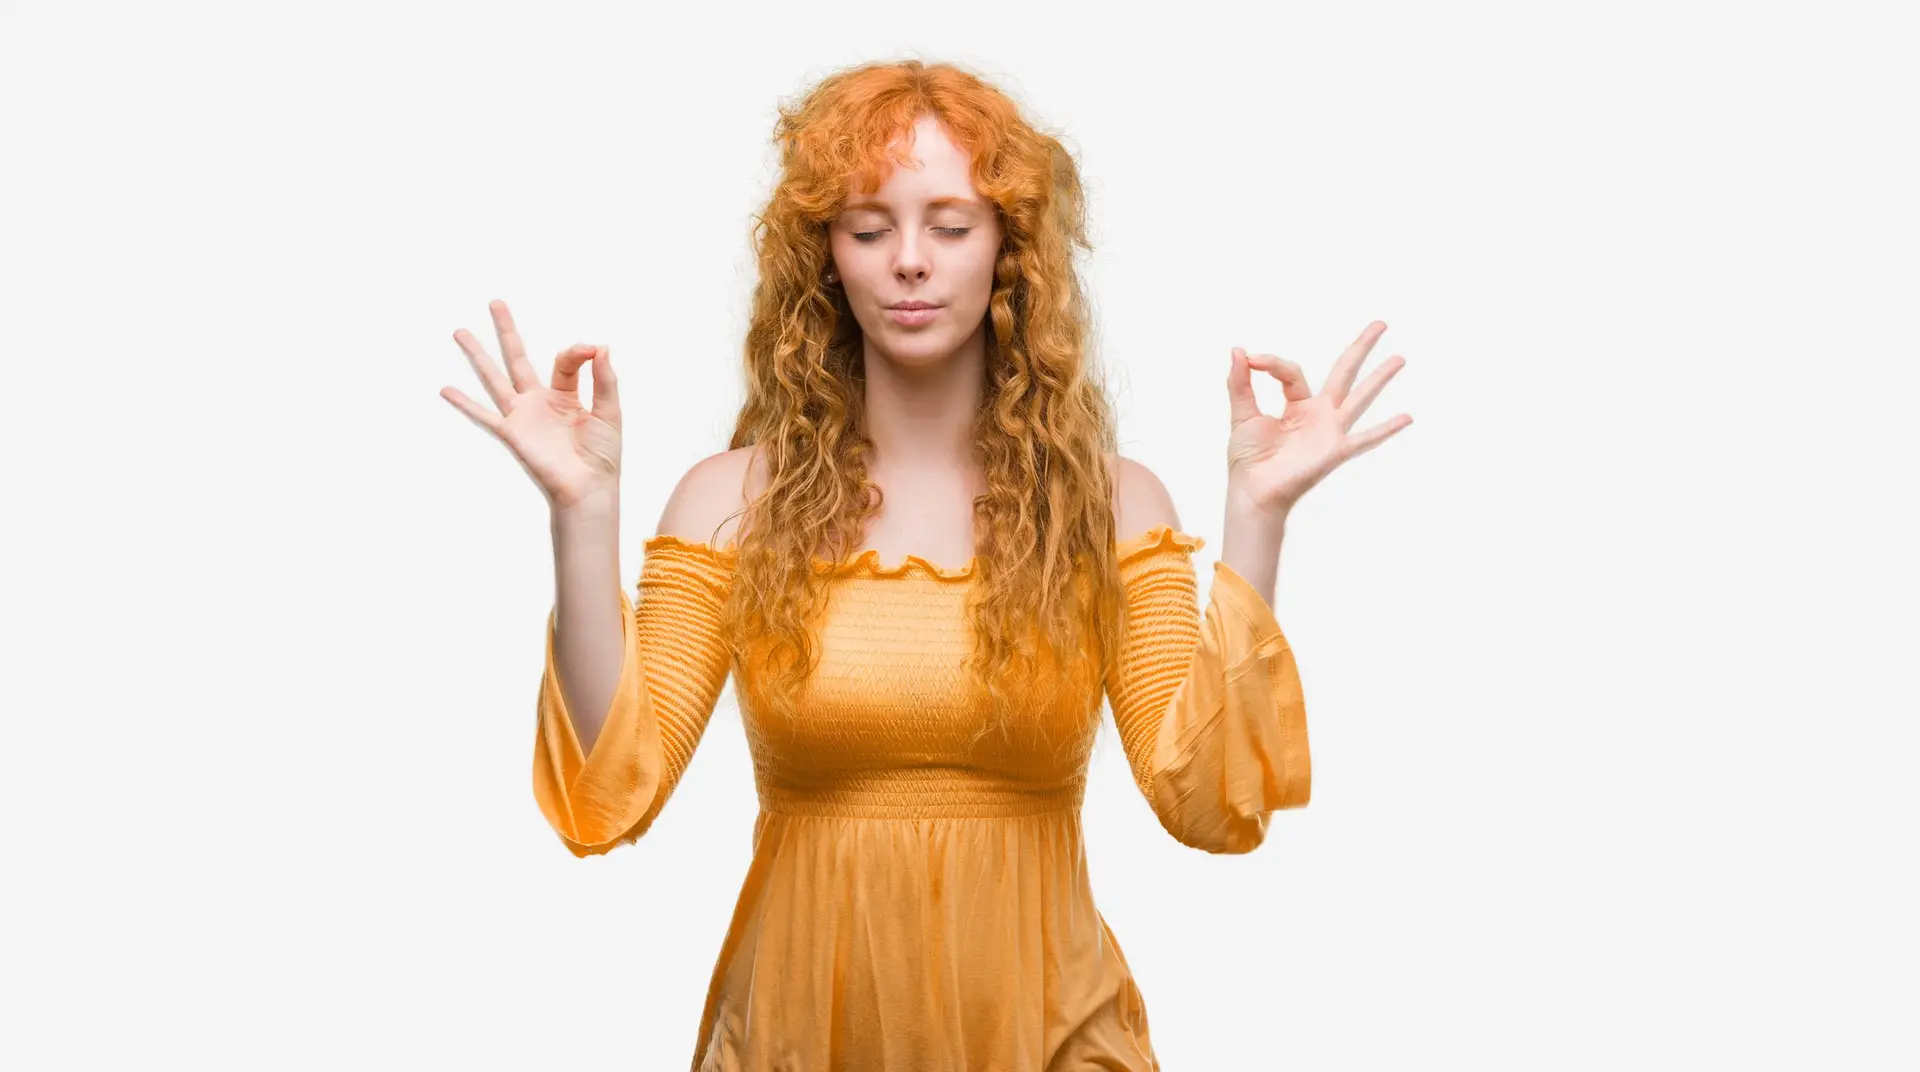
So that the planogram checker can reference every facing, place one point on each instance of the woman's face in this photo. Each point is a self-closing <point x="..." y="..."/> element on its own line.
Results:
<point x="925" y="236"/>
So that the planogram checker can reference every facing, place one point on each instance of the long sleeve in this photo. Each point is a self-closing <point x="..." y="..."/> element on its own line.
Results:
<point x="1208" y="706"/>
<point x="670" y="679"/>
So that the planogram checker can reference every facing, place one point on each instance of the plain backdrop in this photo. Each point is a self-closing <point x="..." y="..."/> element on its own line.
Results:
<point x="1608" y="657"/>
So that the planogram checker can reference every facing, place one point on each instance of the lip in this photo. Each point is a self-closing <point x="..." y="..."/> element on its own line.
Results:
<point x="910" y="314"/>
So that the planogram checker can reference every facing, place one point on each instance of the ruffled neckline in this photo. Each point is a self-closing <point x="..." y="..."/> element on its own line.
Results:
<point x="867" y="563"/>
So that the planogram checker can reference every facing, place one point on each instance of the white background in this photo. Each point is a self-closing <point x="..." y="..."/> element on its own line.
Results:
<point x="1608" y="656"/>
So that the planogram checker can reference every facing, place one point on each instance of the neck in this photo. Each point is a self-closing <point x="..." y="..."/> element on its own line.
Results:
<point x="920" y="417"/>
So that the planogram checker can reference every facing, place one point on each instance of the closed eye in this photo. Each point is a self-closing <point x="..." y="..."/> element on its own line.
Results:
<point x="868" y="236"/>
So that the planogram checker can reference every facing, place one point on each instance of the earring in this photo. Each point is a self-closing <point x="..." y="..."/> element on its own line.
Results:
<point x="831" y="276"/>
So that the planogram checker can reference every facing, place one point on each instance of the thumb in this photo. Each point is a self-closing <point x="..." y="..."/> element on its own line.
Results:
<point x="606" y="389"/>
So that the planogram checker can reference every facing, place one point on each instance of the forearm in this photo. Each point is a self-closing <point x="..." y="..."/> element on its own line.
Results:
<point x="589" y="641"/>
<point x="1250" y="542"/>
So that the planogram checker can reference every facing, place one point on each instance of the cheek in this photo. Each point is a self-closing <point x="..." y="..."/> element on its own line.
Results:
<point x="858" y="278"/>
<point x="980" y="284"/>
<point x="850" y="258"/>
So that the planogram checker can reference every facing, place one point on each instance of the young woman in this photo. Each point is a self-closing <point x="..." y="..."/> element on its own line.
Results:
<point x="925" y="567"/>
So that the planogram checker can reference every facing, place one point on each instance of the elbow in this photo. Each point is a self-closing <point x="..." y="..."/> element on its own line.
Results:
<point x="1227" y="819"/>
<point x="591" y="837"/>
<point x="1222" y="835"/>
<point x="584" y="849"/>
<point x="606" y="804"/>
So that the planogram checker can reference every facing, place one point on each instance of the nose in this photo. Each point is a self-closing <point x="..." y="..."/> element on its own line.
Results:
<point x="910" y="258"/>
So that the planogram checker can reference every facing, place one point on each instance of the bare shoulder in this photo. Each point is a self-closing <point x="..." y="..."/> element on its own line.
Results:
<point x="707" y="504"/>
<point x="1140" y="499"/>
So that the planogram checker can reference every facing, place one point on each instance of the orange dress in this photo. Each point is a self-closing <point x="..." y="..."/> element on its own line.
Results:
<point x="911" y="904"/>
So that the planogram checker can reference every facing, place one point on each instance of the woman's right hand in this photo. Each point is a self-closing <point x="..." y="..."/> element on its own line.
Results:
<point x="572" y="453"/>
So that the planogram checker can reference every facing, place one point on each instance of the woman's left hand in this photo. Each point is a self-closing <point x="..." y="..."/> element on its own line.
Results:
<point x="1272" y="461"/>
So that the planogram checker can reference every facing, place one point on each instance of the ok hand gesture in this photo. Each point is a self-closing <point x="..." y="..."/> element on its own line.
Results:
<point x="572" y="453"/>
<point x="1272" y="461"/>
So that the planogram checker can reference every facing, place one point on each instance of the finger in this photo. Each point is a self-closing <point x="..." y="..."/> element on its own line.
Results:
<point x="1340" y="379"/>
<point x="1288" y="373"/>
<point x="1362" y="442"/>
<point x="1369" y="389"/>
<point x="498" y="388"/>
<point x="482" y="416"/>
<point x="1240" y="400"/>
<point x="512" y="349"/>
<point x="606" y="389"/>
<point x="566" y="368"/>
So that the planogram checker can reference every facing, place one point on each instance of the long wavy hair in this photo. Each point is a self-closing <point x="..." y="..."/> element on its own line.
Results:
<point x="1044" y="570"/>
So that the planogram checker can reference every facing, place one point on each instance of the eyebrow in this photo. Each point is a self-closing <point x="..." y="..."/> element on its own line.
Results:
<point x="938" y="202"/>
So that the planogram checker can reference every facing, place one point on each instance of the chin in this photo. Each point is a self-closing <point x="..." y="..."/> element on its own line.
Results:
<point x="918" y="350"/>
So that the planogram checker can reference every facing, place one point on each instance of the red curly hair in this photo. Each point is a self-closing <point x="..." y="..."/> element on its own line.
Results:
<point x="1046" y="599"/>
